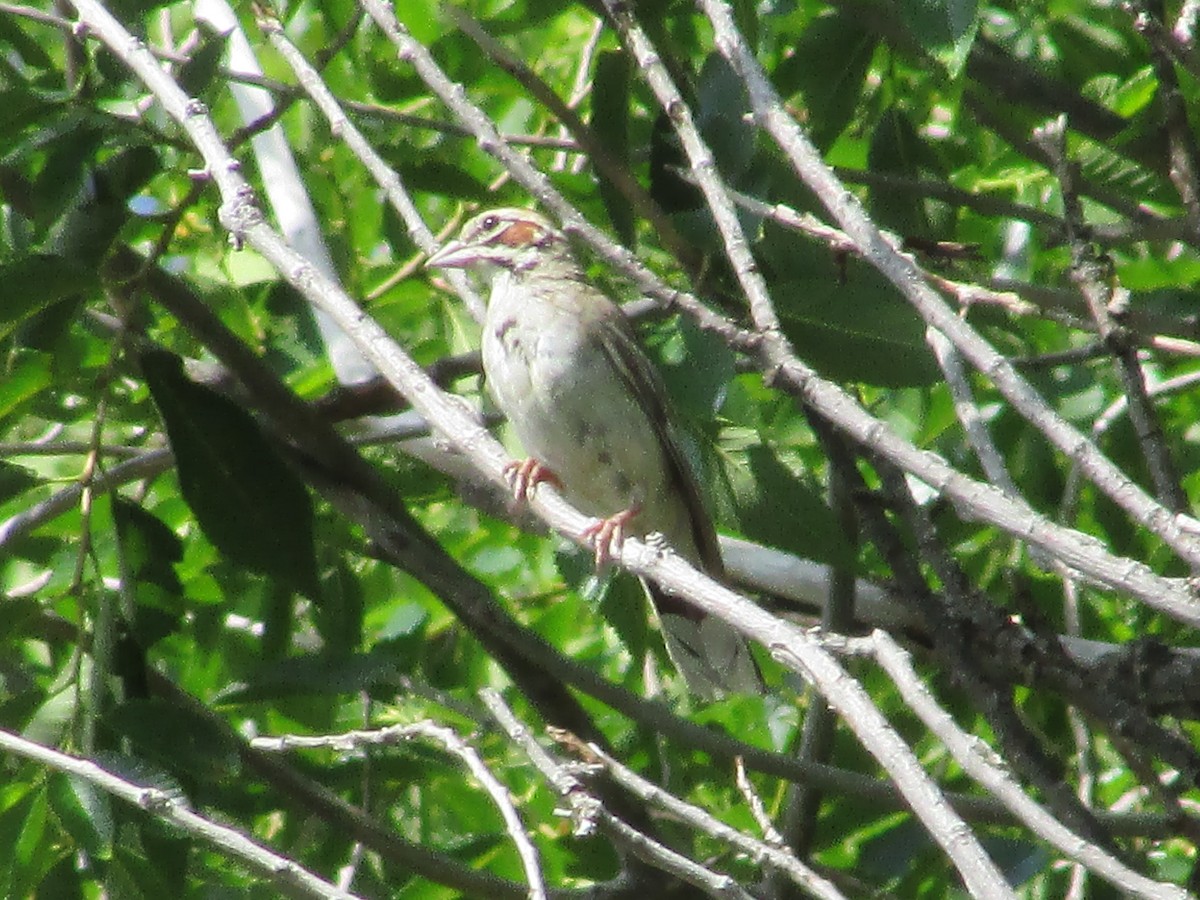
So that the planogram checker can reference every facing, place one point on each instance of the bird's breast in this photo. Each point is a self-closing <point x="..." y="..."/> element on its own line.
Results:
<point x="573" y="412"/>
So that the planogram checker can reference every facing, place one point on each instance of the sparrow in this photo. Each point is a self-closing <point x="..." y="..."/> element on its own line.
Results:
<point x="563" y="364"/>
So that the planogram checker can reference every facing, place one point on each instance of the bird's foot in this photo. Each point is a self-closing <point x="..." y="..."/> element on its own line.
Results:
<point x="527" y="474"/>
<point x="607" y="535"/>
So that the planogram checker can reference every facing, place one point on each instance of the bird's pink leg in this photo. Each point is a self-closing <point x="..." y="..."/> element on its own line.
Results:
<point x="527" y="474"/>
<point x="605" y="534"/>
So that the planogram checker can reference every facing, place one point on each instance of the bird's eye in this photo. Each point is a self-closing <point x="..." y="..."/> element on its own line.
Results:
<point x="490" y="222"/>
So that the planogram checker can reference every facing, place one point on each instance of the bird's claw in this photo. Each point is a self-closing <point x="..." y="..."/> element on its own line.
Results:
<point x="527" y="474"/>
<point x="607" y="535"/>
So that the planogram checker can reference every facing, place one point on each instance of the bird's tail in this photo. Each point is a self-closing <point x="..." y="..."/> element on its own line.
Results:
<point x="713" y="658"/>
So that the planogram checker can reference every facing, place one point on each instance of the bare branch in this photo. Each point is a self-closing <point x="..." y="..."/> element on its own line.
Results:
<point x="171" y="807"/>
<point x="447" y="738"/>
<point x="1178" y="531"/>
<point x="979" y="762"/>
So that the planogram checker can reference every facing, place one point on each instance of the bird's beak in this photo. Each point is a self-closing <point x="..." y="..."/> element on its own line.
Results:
<point x="454" y="255"/>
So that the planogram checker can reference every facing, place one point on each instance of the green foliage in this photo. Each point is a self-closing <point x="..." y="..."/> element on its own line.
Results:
<point x="857" y="331"/>
<point x="245" y="498"/>
<point x="828" y="66"/>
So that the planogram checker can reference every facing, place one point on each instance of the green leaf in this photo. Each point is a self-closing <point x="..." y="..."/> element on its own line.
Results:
<point x="167" y="849"/>
<point x="151" y="549"/>
<point x="860" y="331"/>
<point x="406" y="623"/>
<point x="30" y="857"/>
<point x="169" y="738"/>
<point x="34" y="282"/>
<point x="944" y="28"/>
<point x="33" y="53"/>
<point x="723" y="117"/>
<point x="17" y="799"/>
<point x="1107" y="164"/>
<point x="246" y="499"/>
<point x="776" y="507"/>
<point x="1125" y="96"/>
<point x="422" y="20"/>
<point x="316" y="674"/>
<point x="85" y="812"/>
<point x="828" y="65"/>
<point x="610" y="122"/>
<point x="14" y="480"/>
<point x="696" y="369"/>
<point x="49" y="722"/>
<point x="624" y="607"/>
<point x="897" y="149"/>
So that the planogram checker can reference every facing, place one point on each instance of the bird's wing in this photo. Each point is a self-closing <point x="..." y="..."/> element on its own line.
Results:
<point x="713" y="658"/>
<point x="619" y="344"/>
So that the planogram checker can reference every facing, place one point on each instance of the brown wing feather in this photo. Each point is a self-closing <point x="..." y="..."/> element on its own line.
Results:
<point x="619" y="344"/>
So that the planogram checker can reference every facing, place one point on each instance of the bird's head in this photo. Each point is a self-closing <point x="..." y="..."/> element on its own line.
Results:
<point x="512" y="239"/>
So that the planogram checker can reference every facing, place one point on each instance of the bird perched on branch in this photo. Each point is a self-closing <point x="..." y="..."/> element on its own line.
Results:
<point x="562" y="363"/>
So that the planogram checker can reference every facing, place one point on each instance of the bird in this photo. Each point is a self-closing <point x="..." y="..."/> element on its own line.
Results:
<point x="563" y="364"/>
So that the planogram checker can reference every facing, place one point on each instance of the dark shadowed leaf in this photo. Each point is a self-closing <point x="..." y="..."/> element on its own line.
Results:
<point x="317" y="674"/>
<point x="100" y="207"/>
<point x="203" y="64"/>
<point x="246" y="499"/>
<point x="34" y="282"/>
<point x="339" y="615"/>
<point x="14" y="479"/>
<point x="828" y="65"/>
<point x="667" y="187"/>
<point x="897" y="149"/>
<point x="945" y="28"/>
<point x="722" y="116"/>
<point x="171" y="743"/>
<point x="150" y="550"/>
<point x="610" y="122"/>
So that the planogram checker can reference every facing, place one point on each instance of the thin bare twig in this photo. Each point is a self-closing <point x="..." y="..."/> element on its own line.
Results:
<point x="981" y="764"/>
<point x="170" y="806"/>
<point x="384" y="175"/>
<point x="768" y="851"/>
<point x="588" y="813"/>
<point x="1103" y="298"/>
<point x="447" y="738"/>
<point x="1180" y="532"/>
<point x="975" y="499"/>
